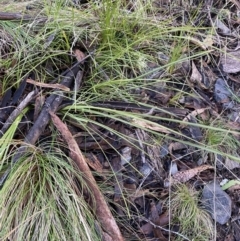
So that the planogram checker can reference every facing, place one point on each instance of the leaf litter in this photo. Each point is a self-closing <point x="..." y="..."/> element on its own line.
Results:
<point x="124" y="153"/>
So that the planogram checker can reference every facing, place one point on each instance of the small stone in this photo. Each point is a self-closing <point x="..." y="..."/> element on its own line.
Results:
<point x="173" y="168"/>
<point x="146" y="169"/>
<point x="224" y="181"/>
<point x="222" y="94"/>
<point x="126" y="155"/>
<point x="217" y="202"/>
<point x="164" y="151"/>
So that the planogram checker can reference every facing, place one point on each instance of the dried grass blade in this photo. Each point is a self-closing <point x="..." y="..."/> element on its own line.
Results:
<point x="45" y="85"/>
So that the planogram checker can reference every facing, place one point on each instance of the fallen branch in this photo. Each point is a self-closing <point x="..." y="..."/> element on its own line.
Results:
<point x="19" y="16"/>
<point x="52" y="103"/>
<point x="103" y="213"/>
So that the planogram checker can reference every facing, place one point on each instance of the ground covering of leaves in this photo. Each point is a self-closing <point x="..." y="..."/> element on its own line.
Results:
<point x="143" y="173"/>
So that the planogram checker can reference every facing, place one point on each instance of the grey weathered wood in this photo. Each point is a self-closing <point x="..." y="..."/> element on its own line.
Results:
<point x="52" y="103"/>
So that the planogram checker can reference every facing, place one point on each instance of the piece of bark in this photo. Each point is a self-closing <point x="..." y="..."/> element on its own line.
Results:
<point x="156" y="220"/>
<point x="103" y="213"/>
<point x="17" y="111"/>
<point x="19" y="92"/>
<point x="9" y="101"/>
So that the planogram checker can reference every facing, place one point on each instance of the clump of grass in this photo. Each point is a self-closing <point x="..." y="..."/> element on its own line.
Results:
<point x="193" y="221"/>
<point x="221" y="140"/>
<point x="41" y="200"/>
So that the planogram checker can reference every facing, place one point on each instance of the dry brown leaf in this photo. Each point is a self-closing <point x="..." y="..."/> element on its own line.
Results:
<point x="154" y="217"/>
<point x="44" y="85"/>
<point x="94" y="163"/>
<point x="146" y="229"/>
<point x="184" y="176"/>
<point x="196" y="77"/>
<point x="208" y="41"/>
<point x="198" y="42"/>
<point x="176" y="146"/>
<point x="151" y="126"/>
<point x="79" y="55"/>
<point x="161" y="221"/>
<point x="164" y="219"/>
<point x="193" y="114"/>
<point x="209" y="76"/>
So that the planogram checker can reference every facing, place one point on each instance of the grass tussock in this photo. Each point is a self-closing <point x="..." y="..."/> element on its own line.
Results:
<point x="194" y="222"/>
<point x="41" y="200"/>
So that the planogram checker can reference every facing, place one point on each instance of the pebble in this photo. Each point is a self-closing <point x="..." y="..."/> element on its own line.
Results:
<point x="222" y="94"/>
<point x="217" y="202"/>
<point x="126" y="155"/>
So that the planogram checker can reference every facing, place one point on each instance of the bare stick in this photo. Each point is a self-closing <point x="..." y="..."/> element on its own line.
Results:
<point x="102" y="210"/>
<point x="19" y="16"/>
